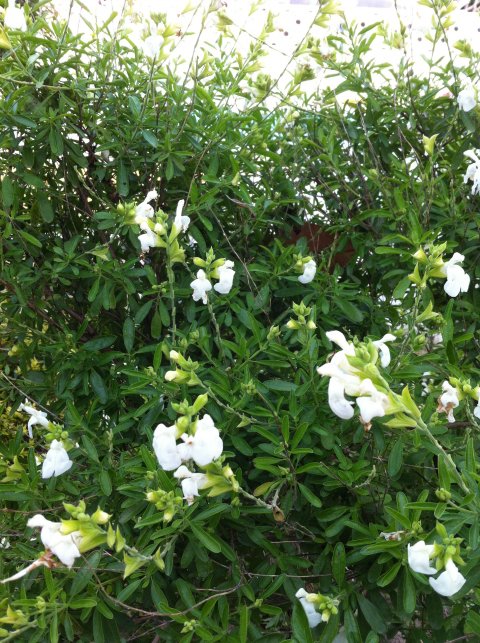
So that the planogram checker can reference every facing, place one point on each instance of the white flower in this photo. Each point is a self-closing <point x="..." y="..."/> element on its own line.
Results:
<point x="449" y="582"/>
<point x="473" y="171"/>
<point x="148" y="239"/>
<point x="64" y="546"/>
<point x="467" y="99"/>
<point x="152" y="46"/>
<point x="419" y="558"/>
<point x="383" y="348"/>
<point x="476" y="410"/>
<point x="144" y="210"/>
<point x="203" y="447"/>
<point x="191" y="482"/>
<point x="448" y="400"/>
<point x="201" y="285"/>
<point x="314" y="618"/>
<point x="372" y="403"/>
<point x="56" y="461"/>
<point x="165" y="447"/>
<point x="309" y="270"/>
<point x="225" y="276"/>
<point x="14" y="17"/>
<point x="181" y="222"/>
<point x="36" y="417"/>
<point x="337" y="401"/>
<point x="457" y="279"/>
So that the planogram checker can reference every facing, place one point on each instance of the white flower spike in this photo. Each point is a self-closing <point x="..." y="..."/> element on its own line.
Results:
<point x="457" y="279"/>
<point x="64" y="546"/>
<point x="309" y="271"/>
<point x="200" y="286"/>
<point x="419" y="558"/>
<point x="225" y="275"/>
<point x="449" y="582"/>
<point x="56" y="461"/>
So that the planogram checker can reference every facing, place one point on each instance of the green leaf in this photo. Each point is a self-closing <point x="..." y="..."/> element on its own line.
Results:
<point x="244" y="620"/>
<point x="408" y="592"/>
<point x="150" y="138"/>
<point x="105" y="482"/>
<point x="99" y="387"/>
<point x="90" y="448"/>
<point x="300" y="627"/>
<point x="339" y="563"/>
<point x="310" y="496"/>
<point x="280" y="385"/>
<point x="30" y="238"/>
<point x="128" y="334"/>
<point x="207" y="540"/>
<point x="7" y="192"/>
<point x="350" y="311"/>
<point x="395" y="459"/>
<point x="371" y="614"/>
<point x="82" y="578"/>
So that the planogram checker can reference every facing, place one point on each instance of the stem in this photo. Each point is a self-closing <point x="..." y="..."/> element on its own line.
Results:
<point x="423" y="428"/>
<point x="217" y="329"/>
<point x="171" y="282"/>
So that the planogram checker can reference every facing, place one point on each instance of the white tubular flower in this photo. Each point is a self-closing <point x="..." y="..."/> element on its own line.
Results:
<point x="148" y="239"/>
<point x="181" y="222"/>
<point x="165" y="447"/>
<point x="448" y="400"/>
<point x="372" y="403"/>
<point x="384" y="349"/>
<point x="14" y="17"/>
<point x="208" y="444"/>
<point x="337" y="401"/>
<point x="457" y="279"/>
<point x="56" y="461"/>
<point x="191" y="482"/>
<point x="449" y="582"/>
<point x="225" y="276"/>
<point x="201" y="286"/>
<point x="64" y="546"/>
<point x="473" y="171"/>
<point x="314" y="618"/>
<point x="152" y="46"/>
<point x="144" y="210"/>
<point x="419" y="558"/>
<point x="36" y="417"/>
<point x="467" y="99"/>
<point x="309" y="271"/>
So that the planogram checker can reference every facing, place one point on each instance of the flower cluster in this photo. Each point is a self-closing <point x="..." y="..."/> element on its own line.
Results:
<point x="317" y="607"/>
<point x="56" y="461"/>
<point x="457" y="280"/>
<point x="200" y="444"/>
<point x="352" y="371"/>
<point x="221" y="269"/>
<point x="421" y="555"/>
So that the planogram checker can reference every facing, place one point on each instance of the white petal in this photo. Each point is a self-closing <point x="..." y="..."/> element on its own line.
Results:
<point x="339" y="338"/>
<point x="337" y="401"/>
<point x="449" y="582"/>
<point x="165" y="447"/>
<point x="419" y="558"/>
<point x="309" y="271"/>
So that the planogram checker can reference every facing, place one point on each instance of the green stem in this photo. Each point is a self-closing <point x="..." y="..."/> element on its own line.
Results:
<point x="171" y="282"/>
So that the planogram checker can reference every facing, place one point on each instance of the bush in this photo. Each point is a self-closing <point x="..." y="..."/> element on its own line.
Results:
<point x="221" y="488"/>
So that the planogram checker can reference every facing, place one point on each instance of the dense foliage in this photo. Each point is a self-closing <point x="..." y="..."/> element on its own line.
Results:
<point x="357" y="176"/>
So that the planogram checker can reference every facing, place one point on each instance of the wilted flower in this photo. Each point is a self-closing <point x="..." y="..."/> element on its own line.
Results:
<point x="419" y="558"/>
<point x="64" y="546"/>
<point x="457" y="279"/>
<point x="181" y="221"/>
<point x="314" y="618"/>
<point x="225" y="276"/>
<point x="448" y="400"/>
<point x="473" y="171"/>
<point x="201" y="286"/>
<point x="165" y="447"/>
<point x="14" y="17"/>
<point x="36" y="417"/>
<point x="309" y="270"/>
<point x="56" y="461"/>
<point x="449" y="582"/>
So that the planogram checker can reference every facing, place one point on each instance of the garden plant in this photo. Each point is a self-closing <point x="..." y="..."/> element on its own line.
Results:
<point x="240" y="379"/>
